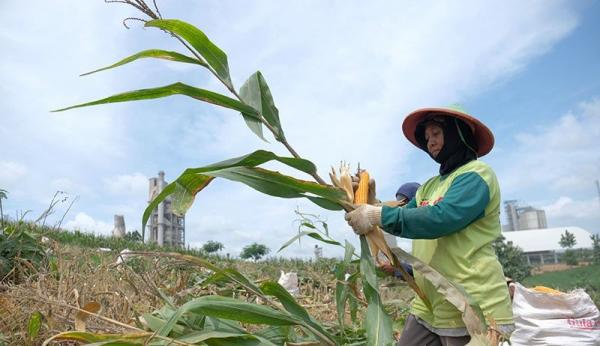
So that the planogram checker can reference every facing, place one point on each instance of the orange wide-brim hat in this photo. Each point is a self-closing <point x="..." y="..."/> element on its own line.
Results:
<point x="482" y="134"/>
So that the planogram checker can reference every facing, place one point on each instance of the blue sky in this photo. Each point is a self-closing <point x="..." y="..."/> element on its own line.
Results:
<point x="343" y="76"/>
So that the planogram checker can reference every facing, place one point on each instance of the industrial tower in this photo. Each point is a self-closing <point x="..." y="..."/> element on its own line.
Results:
<point x="164" y="226"/>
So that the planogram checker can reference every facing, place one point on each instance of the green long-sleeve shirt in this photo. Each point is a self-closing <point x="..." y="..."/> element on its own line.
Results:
<point x="453" y="221"/>
<point x="463" y="203"/>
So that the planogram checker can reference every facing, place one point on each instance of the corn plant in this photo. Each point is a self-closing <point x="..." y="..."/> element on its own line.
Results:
<point x="21" y="252"/>
<point x="254" y="102"/>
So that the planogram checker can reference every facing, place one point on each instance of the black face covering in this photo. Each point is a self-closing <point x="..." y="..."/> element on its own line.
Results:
<point x="459" y="144"/>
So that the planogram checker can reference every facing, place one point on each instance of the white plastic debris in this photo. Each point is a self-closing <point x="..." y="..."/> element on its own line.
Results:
<point x="123" y="256"/>
<point x="104" y="249"/>
<point x="289" y="281"/>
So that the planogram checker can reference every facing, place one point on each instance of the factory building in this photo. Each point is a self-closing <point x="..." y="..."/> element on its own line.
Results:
<point x="523" y="218"/>
<point x="164" y="226"/>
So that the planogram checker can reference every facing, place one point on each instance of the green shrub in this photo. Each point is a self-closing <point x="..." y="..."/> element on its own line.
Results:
<point x="570" y="257"/>
<point x="512" y="259"/>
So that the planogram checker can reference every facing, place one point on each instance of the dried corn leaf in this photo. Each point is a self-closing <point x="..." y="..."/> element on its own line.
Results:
<point x="82" y="316"/>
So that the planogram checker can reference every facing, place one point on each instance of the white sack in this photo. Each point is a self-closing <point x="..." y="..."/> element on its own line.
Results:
<point x="554" y="320"/>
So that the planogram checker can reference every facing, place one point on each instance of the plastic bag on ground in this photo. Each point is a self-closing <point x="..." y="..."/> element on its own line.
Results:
<point x="289" y="281"/>
<point x="542" y="318"/>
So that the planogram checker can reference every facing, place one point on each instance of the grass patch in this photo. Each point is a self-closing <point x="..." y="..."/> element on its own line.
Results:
<point x="582" y="277"/>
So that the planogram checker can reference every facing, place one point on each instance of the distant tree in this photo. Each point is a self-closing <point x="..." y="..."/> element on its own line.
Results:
<point x="133" y="236"/>
<point x="212" y="246"/>
<point x="595" y="248"/>
<point x="255" y="251"/>
<point x="512" y="259"/>
<point x="567" y="240"/>
<point x="3" y="194"/>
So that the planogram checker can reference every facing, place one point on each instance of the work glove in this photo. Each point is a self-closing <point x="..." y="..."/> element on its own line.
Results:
<point x="372" y="189"/>
<point x="364" y="218"/>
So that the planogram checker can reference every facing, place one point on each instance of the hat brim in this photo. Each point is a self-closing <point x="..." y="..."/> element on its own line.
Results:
<point x="481" y="133"/>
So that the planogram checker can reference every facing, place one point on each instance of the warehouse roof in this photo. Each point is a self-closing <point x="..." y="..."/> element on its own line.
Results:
<point x="547" y="239"/>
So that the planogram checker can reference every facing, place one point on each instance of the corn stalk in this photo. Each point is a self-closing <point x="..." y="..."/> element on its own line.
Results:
<point x="255" y="104"/>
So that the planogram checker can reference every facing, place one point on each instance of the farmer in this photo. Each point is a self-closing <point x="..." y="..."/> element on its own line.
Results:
<point x="453" y="219"/>
<point x="406" y="192"/>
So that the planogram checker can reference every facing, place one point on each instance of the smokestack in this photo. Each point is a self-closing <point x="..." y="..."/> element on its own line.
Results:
<point x="119" y="231"/>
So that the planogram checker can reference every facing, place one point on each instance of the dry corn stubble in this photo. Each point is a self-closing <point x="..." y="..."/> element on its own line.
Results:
<point x="125" y="294"/>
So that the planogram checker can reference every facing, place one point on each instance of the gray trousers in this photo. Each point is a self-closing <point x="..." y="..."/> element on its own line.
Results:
<point x="414" y="334"/>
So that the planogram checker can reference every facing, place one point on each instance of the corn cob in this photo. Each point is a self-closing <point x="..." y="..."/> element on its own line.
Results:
<point x="377" y="242"/>
<point x="375" y="238"/>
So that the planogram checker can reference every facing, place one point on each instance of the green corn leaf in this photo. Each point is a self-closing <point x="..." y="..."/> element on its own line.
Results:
<point x="231" y="309"/>
<point x="152" y="53"/>
<point x="34" y="325"/>
<point x="129" y="343"/>
<point x="213" y="55"/>
<point x="247" y="340"/>
<point x="341" y="289"/>
<point x="471" y="312"/>
<point x="290" y="305"/>
<point x="202" y="336"/>
<point x="311" y="234"/>
<point x="256" y="93"/>
<point x="276" y="334"/>
<point x="155" y="323"/>
<point x="229" y="274"/>
<point x="255" y="125"/>
<point x="232" y="275"/>
<point x="353" y="305"/>
<point x="243" y="169"/>
<point x="169" y="90"/>
<point x="213" y="323"/>
<point x="89" y="338"/>
<point x="377" y="322"/>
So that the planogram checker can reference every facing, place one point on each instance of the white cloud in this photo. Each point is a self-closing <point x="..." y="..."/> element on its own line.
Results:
<point x="86" y="223"/>
<point x="561" y="157"/>
<point x="134" y="185"/>
<point x="11" y="172"/>
<point x="567" y="207"/>
<point x="566" y="211"/>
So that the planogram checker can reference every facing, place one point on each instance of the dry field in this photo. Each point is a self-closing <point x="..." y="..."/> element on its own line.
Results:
<point x="80" y="276"/>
